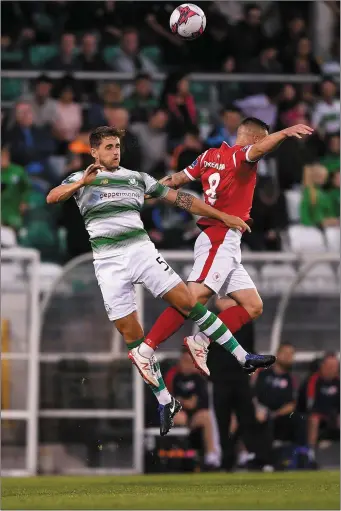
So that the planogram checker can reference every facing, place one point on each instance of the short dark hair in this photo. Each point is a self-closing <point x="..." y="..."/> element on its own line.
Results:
<point x="230" y="108"/>
<point x="285" y="345"/>
<point x="98" y="134"/>
<point x="142" y="76"/>
<point x="256" y="122"/>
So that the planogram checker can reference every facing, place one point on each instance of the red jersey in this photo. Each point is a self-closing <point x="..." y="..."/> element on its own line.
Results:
<point x="228" y="179"/>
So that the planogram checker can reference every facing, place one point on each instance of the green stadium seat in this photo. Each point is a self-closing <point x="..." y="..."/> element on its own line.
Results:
<point x="153" y="53"/>
<point x="11" y="89"/>
<point x="110" y="53"/>
<point x="201" y="92"/>
<point x="12" y="56"/>
<point x="41" y="53"/>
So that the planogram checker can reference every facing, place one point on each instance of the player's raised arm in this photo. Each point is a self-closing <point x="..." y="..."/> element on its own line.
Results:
<point x="67" y="189"/>
<point x="271" y="142"/>
<point x="190" y="173"/>
<point x="198" y="207"/>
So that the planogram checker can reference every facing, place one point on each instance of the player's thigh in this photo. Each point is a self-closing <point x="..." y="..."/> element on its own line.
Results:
<point x="116" y="286"/>
<point x="240" y="287"/>
<point x="149" y="268"/>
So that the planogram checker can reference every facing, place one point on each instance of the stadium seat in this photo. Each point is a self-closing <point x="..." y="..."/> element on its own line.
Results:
<point x="11" y="89"/>
<point x="333" y="238"/>
<point x="253" y="272"/>
<point x="152" y="53"/>
<point x="306" y="239"/>
<point x="8" y="237"/>
<point x="110" y="53"/>
<point x="276" y="278"/>
<point x="48" y="273"/>
<point x="320" y="279"/>
<point x="10" y="274"/>
<point x="200" y="91"/>
<point x="41" y="53"/>
<point x="293" y="199"/>
<point x="13" y="57"/>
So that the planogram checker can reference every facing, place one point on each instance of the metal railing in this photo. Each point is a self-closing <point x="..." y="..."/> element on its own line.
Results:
<point x="198" y="77"/>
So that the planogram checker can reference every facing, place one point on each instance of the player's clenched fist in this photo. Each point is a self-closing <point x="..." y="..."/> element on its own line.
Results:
<point x="298" y="131"/>
<point x="91" y="173"/>
<point x="234" y="222"/>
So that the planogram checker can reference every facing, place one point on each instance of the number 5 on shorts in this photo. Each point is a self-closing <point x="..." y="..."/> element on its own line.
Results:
<point x="160" y="261"/>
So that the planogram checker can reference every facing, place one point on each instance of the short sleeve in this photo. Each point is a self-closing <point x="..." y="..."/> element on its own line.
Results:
<point x="194" y="170"/>
<point x="153" y="187"/>
<point x="72" y="178"/>
<point x="241" y="155"/>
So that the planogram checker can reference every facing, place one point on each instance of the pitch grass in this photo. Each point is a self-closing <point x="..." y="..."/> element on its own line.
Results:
<point x="295" y="490"/>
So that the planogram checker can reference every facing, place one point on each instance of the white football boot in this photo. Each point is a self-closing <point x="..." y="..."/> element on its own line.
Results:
<point x="144" y="366"/>
<point x="197" y="346"/>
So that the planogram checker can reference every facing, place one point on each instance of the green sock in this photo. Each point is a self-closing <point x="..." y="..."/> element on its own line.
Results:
<point x="215" y="330"/>
<point x="135" y="344"/>
<point x="161" y="392"/>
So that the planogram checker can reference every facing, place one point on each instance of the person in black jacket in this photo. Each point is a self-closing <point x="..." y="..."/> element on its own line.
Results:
<point x="232" y="393"/>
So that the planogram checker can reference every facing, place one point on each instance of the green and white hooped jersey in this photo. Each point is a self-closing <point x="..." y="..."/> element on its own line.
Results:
<point x="111" y="208"/>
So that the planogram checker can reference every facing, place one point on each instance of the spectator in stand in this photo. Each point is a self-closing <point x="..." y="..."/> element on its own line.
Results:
<point x="262" y="105"/>
<point x="316" y="204"/>
<point x="109" y="22"/>
<point x="229" y="91"/>
<point x="190" y="388"/>
<point x="326" y="115"/>
<point x="319" y="399"/>
<point x="288" y="40"/>
<point x="130" y="58"/>
<point x="226" y="130"/>
<point x="331" y="159"/>
<point x="77" y="237"/>
<point x="142" y="100"/>
<point x="156" y="17"/>
<point x="110" y="97"/>
<point x="332" y="65"/>
<point x="131" y="154"/>
<point x="275" y="394"/>
<point x="265" y="63"/>
<point x="177" y="99"/>
<point x="14" y="189"/>
<point x="270" y="216"/>
<point x="66" y="60"/>
<point x="44" y="107"/>
<point x="90" y="58"/>
<point x="334" y="195"/>
<point x="249" y="35"/>
<point x="152" y="138"/>
<point x="287" y="101"/>
<point x="303" y="61"/>
<point x="29" y="145"/>
<point x="69" y="116"/>
<point x="187" y="152"/>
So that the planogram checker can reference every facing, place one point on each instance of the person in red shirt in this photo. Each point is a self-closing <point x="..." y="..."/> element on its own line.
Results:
<point x="228" y="177"/>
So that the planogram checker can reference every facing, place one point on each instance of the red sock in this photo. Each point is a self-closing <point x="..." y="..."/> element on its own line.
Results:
<point x="235" y="317"/>
<point x="166" y="325"/>
<point x="171" y="320"/>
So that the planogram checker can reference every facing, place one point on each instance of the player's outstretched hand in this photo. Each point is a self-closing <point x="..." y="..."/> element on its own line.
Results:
<point x="298" y="131"/>
<point x="234" y="222"/>
<point x="91" y="173"/>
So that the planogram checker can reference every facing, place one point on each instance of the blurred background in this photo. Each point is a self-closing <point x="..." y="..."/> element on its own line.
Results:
<point x="71" y="403"/>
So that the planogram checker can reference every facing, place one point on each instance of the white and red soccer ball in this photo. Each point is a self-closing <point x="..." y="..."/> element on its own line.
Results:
<point x="188" y="21"/>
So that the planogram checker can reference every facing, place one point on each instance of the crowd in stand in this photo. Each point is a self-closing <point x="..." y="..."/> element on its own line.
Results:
<point x="45" y="129"/>
<point x="287" y="421"/>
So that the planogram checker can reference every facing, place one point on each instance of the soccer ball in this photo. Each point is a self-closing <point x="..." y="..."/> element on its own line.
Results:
<point x="188" y="21"/>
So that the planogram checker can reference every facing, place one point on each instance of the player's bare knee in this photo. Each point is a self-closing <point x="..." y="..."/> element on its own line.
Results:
<point x="255" y="307"/>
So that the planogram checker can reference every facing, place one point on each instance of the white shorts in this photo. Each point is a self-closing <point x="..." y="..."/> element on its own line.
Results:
<point x="138" y="264"/>
<point x="217" y="262"/>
